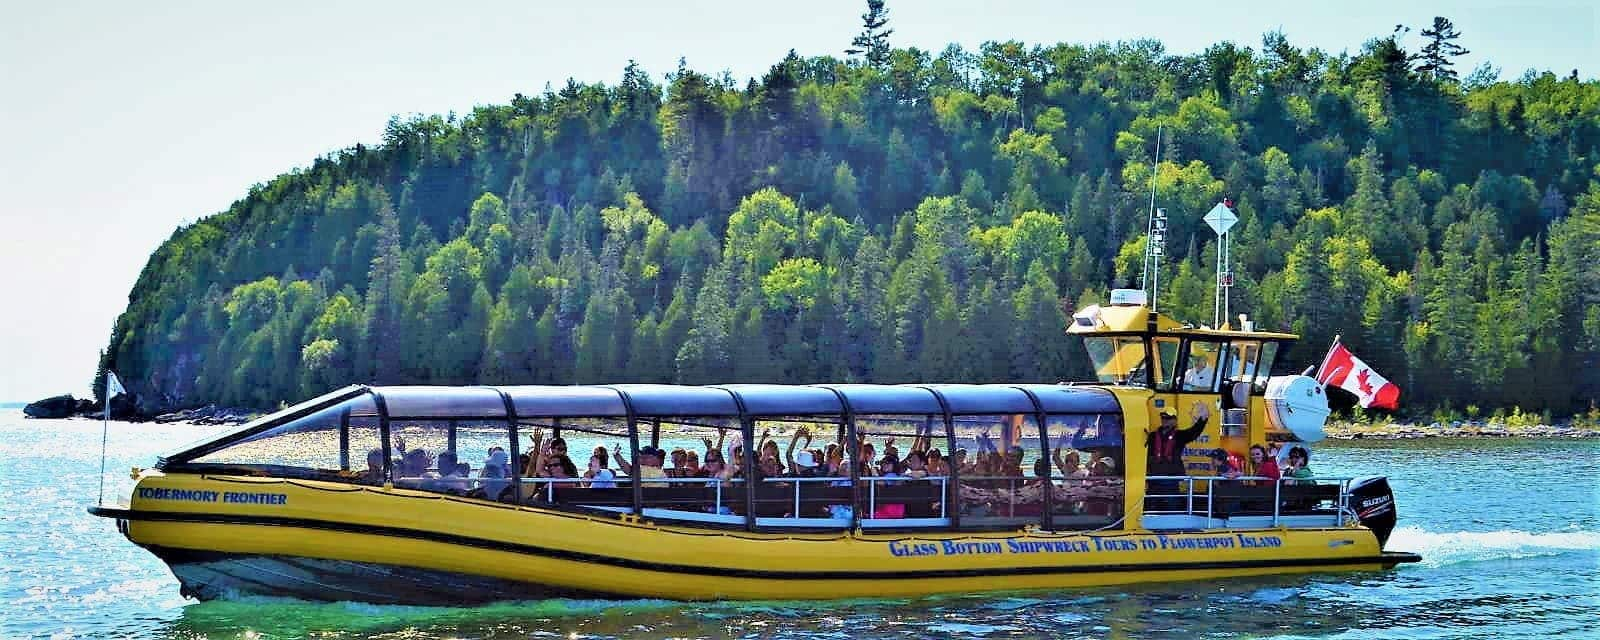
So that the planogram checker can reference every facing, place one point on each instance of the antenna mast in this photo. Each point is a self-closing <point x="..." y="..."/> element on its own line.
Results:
<point x="1155" y="233"/>
<point x="1221" y="218"/>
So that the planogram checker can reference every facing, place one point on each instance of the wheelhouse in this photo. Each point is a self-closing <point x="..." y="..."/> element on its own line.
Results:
<point x="1038" y="443"/>
<point x="1135" y="346"/>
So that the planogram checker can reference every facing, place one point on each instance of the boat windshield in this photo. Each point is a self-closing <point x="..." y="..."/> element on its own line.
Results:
<point x="1269" y="352"/>
<point x="1117" y="359"/>
<point x="320" y="442"/>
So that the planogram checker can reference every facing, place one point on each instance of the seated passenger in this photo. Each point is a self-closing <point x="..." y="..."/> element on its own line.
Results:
<point x="1070" y="465"/>
<point x="804" y="465"/>
<point x="492" y="478"/>
<point x="713" y="466"/>
<point x="1029" y="500"/>
<point x="717" y="447"/>
<point x="833" y="458"/>
<point x="916" y="464"/>
<point x="558" y="447"/>
<point x="936" y="464"/>
<point x="1104" y="489"/>
<point x="1299" y="466"/>
<point x="1221" y="466"/>
<point x="649" y="467"/>
<point x="1013" y="462"/>
<point x="886" y="469"/>
<point x="794" y="441"/>
<point x="374" y="472"/>
<point x="463" y="479"/>
<point x="554" y="469"/>
<point x="769" y="467"/>
<point x="413" y="470"/>
<point x="1265" y="465"/>
<point x="680" y="460"/>
<point x="1102" y="465"/>
<point x="691" y="464"/>
<point x="445" y="479"/>
<point x="769" y="448"/>
<point x="959" y="462"/>
<point x="599" y="476"/>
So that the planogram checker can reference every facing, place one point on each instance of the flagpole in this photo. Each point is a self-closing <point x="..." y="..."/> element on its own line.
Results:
<point x="1328" y="355"/>
<point x="105" y="426"/>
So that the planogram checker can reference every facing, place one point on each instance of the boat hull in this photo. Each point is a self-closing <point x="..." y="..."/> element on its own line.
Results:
<point x="323" y="541"/>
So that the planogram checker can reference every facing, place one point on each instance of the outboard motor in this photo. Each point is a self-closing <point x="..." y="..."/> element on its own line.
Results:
<point x="1373" y="503"/>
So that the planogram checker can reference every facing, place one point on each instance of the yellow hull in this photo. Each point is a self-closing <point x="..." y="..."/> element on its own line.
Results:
<point x="562" y="552"/>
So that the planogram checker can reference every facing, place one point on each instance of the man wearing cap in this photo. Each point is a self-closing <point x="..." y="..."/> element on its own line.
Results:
<point x="1165" y="448"/>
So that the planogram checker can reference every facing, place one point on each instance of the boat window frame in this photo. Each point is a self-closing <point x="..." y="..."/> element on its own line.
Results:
<point x="1147" y="339"/>
<point x="212" y="444"/>
<point x="1186" y="348"/>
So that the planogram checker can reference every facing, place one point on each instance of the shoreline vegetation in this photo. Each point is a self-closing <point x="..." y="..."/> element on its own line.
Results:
<point x="1471" y="429"/>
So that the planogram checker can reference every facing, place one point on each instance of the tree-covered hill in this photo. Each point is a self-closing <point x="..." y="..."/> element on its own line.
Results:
<point x="908" y="216"/>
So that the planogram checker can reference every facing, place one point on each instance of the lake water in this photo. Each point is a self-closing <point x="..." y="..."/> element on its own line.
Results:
<point x="1509" y="532"/>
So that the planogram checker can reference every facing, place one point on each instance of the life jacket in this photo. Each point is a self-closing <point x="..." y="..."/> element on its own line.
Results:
<point x="1166" y="447"/>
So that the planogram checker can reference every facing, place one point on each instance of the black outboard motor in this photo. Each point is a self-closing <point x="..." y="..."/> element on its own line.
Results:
<point x="1373" y="503"/>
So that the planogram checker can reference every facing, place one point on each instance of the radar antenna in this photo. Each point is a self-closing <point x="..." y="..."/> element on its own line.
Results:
<point x="1155" y="233"/>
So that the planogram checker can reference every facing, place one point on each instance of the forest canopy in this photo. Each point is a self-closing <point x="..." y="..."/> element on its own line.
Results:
<point x="908" y="215"/>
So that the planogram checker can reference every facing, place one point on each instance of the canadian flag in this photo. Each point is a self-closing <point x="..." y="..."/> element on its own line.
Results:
<point x="1344" y="370"/>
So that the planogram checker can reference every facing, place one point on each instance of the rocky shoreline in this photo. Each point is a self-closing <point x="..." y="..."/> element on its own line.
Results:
<point x="1460" y="429"/>
<point x="66" y="406"/>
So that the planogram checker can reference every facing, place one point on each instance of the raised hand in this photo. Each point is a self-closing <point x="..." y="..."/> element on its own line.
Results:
<point x="1202" y="411"/>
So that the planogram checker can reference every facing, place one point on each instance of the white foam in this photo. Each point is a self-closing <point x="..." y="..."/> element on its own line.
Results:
<point x="1475" y="546"/>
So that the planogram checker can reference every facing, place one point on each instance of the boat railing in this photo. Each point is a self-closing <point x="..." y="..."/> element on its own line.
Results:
<point x="877" y="485"/>
<point x="1297" y="496"/>
<point x="982" y="490"/>
<point x="896" y="501"/>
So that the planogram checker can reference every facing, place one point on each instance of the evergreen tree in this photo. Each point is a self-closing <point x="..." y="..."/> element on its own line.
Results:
<point x="873" y="41"/>
<point x="1437" y="54"/>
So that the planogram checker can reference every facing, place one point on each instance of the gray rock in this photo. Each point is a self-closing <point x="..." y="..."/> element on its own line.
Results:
<point x="52" y="408"/>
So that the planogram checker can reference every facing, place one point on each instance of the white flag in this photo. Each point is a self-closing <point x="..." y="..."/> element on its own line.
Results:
<point x="113" y="385"/>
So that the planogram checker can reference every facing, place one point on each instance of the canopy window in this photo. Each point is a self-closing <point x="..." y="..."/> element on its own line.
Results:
<point x="328" y="442"/>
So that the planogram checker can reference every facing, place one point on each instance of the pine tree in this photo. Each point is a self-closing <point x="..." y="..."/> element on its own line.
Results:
<point x="873" y="41"/>
<point x="387" y="283"/>
<point x="1436" y="55"/>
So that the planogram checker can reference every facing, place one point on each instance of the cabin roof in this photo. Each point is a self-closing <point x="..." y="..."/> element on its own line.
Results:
<point x="756" y="400"/>
<point x="1136" y="319"/>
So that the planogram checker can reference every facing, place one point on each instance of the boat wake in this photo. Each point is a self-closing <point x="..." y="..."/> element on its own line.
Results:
<point x="1439" y="549"/>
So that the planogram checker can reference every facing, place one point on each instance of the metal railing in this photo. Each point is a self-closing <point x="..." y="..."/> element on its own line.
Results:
<point x="1058" y="485"/>
<point x="1189" y="496"/>
<point x="872" y="491"/>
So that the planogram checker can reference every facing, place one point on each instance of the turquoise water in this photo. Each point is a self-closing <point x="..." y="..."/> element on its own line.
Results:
<point x="1510" y="533"/>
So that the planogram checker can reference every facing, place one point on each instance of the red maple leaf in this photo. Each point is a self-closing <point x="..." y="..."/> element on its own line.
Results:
<point x="1363" y="382"/>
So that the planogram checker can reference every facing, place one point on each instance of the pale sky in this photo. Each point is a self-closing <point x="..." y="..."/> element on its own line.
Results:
<point x="121" y="120"/>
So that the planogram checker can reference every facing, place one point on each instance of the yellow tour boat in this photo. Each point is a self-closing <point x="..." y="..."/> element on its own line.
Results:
<point x="470" y="494"/>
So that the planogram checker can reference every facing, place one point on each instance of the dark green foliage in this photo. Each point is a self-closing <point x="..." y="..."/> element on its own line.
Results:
<point x="917" y="217"/>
